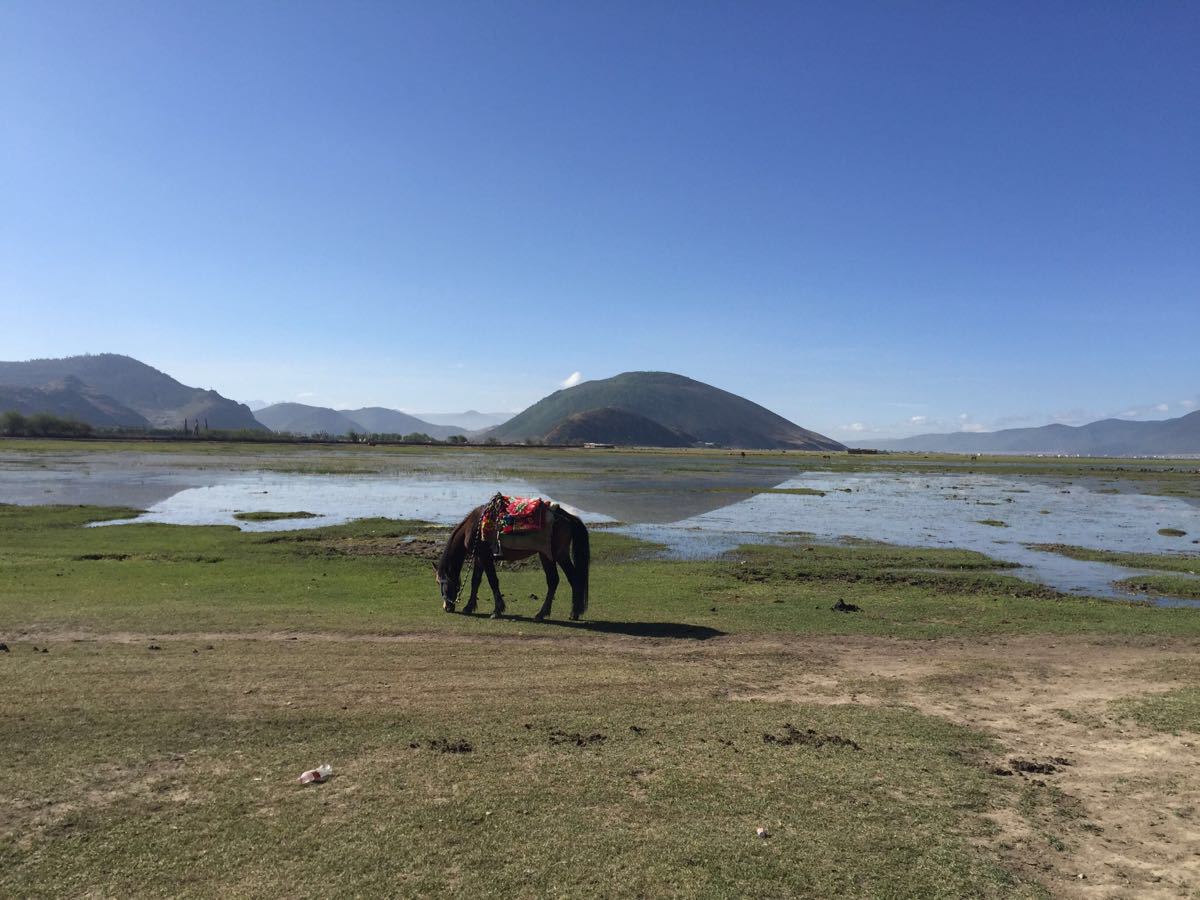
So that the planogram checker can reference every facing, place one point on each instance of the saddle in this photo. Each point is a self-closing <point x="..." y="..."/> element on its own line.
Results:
<point x="510" y="516"/>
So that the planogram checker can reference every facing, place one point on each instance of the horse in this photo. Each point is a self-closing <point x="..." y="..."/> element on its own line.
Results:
<point x="567" y="544"/>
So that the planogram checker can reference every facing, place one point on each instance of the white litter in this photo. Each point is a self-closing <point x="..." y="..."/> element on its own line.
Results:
<point x="317" y="775"/>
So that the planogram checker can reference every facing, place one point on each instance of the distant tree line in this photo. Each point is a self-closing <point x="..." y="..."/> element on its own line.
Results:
<point x="415" y="437"/>
<point x="15" y="424"/>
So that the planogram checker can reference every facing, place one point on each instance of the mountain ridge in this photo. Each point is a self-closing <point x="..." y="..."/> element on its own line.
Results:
<point x="300" y="418"/>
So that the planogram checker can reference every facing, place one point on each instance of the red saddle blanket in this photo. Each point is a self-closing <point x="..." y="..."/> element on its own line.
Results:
<point x="512" y="515"/>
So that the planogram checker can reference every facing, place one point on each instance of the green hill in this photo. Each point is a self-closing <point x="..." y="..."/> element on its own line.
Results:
<point x="680" y="404"/>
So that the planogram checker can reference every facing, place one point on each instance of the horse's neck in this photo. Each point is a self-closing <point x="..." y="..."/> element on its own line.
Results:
<point x="460" y="542"/>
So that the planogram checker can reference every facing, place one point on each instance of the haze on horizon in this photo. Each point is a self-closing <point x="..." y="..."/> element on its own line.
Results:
<point x="873" y="221"/>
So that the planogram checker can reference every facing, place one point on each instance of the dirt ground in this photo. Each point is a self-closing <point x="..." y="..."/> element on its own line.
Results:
<point x="1106" y="808"/>
<point x="1133" y="793"/>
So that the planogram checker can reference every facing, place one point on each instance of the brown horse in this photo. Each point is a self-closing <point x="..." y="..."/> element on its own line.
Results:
<point x="566" y="545"/>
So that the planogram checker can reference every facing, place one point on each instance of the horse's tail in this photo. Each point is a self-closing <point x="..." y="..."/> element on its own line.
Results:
<point x="581" y="557"/>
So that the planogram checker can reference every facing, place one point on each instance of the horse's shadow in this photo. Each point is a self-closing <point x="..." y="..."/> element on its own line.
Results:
<point x="673" y="630"/>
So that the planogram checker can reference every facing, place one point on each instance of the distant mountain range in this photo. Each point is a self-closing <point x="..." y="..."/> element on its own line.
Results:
<point x="1109" y="437"/>
<point x="472" y="420"/>
<point x="108" y="389"/>
<point x="681" y="406"/>
<point x="652" y="409"/>
<point x="297" y="418"/>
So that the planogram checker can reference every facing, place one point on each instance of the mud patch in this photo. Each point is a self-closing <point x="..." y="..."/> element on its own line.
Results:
<point x="809" y="738"/>
<point x="1034" y="767"/>
<point x="558" y="736"/>
<point x="444" y="745"/>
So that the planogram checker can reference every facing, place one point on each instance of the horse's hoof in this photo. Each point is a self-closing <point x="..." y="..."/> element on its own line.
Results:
<point x="574" y="618"/>
<point x="497" y="615"/>
<point x="540" y="617"/>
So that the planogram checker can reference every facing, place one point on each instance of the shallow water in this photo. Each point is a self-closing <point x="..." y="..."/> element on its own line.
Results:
<point x="946" y="511"/>
<point x="696" y="511"/>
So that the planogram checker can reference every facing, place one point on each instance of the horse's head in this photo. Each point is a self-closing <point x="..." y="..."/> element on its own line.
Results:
<point x="450" y="587"/>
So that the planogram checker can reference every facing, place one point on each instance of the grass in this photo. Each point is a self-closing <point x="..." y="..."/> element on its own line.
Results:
<point x="374" y="577"/>
<point x="1165" y="562"/>
<point x="1183" y="586"/>
<point x="194" y="672"/>
<point x="1183" y="583"/>
<point x="185" y="783"/>
<point x="1173" y="711"/>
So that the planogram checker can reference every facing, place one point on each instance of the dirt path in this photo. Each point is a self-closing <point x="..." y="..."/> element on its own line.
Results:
<point x="1127" y="802"/>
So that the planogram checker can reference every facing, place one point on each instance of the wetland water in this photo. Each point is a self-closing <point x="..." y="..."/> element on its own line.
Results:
<point x="696" y="507"/>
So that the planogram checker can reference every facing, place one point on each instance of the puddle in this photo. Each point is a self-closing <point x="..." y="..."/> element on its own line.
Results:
<point x="333" y="499"/>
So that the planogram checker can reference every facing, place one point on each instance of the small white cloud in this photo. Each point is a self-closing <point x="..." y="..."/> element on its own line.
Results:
<point x="1162" y="407"/>
<point x="854" y="426"/>
<point x="1187" y="404"/>
<point x="573" y="379"/>
<point x="962" y="417"/>
<point x="305" y="394"/>
<point x="973" y="427"/>
<point x="919" y="420"/>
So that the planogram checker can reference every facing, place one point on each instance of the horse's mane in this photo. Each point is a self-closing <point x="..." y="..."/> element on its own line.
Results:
<point x="449" y="552"/>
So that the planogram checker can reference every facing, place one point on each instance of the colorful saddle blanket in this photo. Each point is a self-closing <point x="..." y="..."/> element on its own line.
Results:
<point x="512" y="515"/>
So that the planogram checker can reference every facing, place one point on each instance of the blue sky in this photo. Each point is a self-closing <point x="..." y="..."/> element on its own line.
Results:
<point x="872" y="218"/>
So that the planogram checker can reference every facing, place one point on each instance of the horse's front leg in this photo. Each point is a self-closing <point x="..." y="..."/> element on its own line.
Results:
<point x="489" y="569"/>
<point x="473" y="600"/>
<point x="551" y="571"/>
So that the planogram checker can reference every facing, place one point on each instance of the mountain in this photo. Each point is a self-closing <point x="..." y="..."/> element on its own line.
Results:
<point x="471" y="420"/>
<point x="681" y="404"/>
<point x="615" y="426"/>
<point x="1108" y="437"/>
<point x="132" y="386"/>
<point x="70" y="399"/>
<point x="299" y="418"/>
<point x="379" y="420"/>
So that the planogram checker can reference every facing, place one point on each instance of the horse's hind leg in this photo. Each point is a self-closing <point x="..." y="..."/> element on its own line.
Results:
<point x="569" y="570"/>
<point x="551" y="586"/>
<point x="489" y="569"/>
